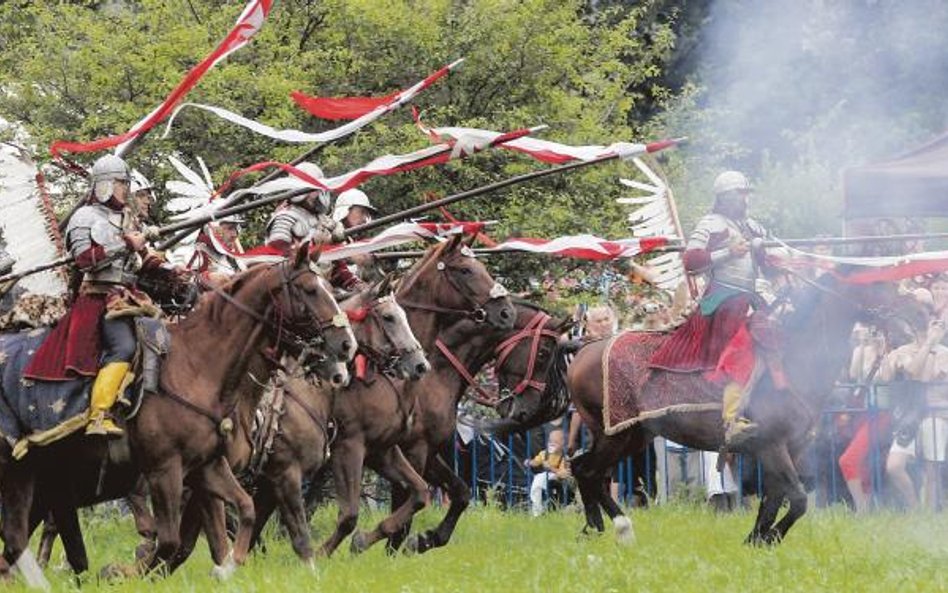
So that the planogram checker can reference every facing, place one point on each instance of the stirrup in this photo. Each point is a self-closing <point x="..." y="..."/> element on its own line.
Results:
<point x="739" y="432"/>
<point x="101" y="425"/>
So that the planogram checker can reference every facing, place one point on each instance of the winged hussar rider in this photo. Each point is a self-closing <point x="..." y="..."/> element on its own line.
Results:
<point x="306" y="218"/>
<point x="97" y="337"/>
<point x="725" y="245"/>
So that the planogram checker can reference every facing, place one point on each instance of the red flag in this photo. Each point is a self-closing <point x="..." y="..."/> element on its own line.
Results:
<point x="249" y="22"/>
<point x="335" y="108"/>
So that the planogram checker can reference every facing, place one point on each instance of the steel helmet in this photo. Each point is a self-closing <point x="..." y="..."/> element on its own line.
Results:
<point x="348" y="199"/>
<point x="325" y="198"/>
<point x="731" y="181"/>
<point x="105" y="170"/>
<point x="139" y="182"/>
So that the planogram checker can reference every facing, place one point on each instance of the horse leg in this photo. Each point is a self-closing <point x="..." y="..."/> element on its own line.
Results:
<point x="399" y="497"/>
<point x="417" y="455"/>
<point x="218" y="480"/>
<point x="347" y="458"/>
<point x="18" y="482"/>
<point x="192" y="519"/>
<point x="47" y="540"/>
<point x="393" y="466"/>
<point x="67" y="522"/>
<point x="589" y="490"/>
<point x="440" y="473"/>
<point x="137" y="501"/>
<point x="289" y="496"/>
<point x="165" y="485"/>
<point x="264" y="503"/>
<point x="770" y="501"/>
<point x="788" y="480"/>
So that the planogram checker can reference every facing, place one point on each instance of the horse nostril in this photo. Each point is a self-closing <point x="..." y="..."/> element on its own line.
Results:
<point x="505" y="314"/>
<point x="338" y="379"/>
<point x="421" y="368"/>
<point x="346" y="345"/>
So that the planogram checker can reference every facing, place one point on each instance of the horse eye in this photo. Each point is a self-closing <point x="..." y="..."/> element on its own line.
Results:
<point x="388" y="318"/>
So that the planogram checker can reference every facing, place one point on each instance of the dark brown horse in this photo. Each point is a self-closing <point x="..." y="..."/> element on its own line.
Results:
<point x="180" y="431"/>
<point x="814" y="349"/>
<point x="524" y="355"/>
<point x="448" y="284"/>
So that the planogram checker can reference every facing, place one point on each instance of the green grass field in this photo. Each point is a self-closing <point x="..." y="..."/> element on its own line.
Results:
<point x="680" y="547"/>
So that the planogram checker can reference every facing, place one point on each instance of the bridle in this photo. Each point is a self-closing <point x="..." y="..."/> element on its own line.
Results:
<point x="304" y="334"/>
<point x="534" y="331"/>
<point x="476" y="313"/>
<point x="284" y="331"/>
<point x="384" y="360"/>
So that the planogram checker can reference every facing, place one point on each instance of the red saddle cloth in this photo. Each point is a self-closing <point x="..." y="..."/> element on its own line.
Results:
<point x="698" y="344"/>
<point x="633" y="391"/>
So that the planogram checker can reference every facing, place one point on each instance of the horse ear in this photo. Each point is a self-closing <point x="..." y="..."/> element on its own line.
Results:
<point x="468" y="239"/>
<point x="301" y="256"/>
<point x="453" y="243"/>
<point x="386" y="284"/>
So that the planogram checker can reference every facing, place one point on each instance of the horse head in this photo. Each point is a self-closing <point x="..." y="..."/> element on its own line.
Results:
<point x="449" y="280"/>
<point x="305" y="309"/>
<point x="383" y="331"/>
<point x="524" y="365"/>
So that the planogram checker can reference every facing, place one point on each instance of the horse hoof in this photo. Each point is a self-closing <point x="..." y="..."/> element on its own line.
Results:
<point x="625" y="535"/>
<point x="225" y="570"/>
<point x="118" y="572"/>
<point x="358" y="544"/>
<point x="412" y="545"/>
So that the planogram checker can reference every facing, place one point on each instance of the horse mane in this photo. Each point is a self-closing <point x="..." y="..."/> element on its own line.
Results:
<point x="214" y="303"/>
<point x="432" y="254"/>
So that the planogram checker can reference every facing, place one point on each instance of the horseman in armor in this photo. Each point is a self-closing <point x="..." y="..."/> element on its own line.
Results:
<point x="109" y="250"/>
<point x="306" y="219"/>
<point x="353" y="209"/>
<point x="726" y="246"/>
<point x="217" y="252"/>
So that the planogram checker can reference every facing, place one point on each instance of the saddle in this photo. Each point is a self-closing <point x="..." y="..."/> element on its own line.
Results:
<point x="37" y="413"/>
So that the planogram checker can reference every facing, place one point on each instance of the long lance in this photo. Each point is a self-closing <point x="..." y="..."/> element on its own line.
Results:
<point x="192" y="224"/>
<point x="672" y="247"/>
<point x="297" y="192"/>
<point x="188" y="225"/>
<point x="478" y="191"/>
<point x="180" y="236"/>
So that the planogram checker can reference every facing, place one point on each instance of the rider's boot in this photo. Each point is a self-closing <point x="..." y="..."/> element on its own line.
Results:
<point x="737" y="429"/>
<point x="108" y="384"/>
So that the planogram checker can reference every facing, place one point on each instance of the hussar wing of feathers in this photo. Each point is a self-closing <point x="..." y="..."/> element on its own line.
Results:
<point x="26" y="221"/>
<point x="654" y="215"/>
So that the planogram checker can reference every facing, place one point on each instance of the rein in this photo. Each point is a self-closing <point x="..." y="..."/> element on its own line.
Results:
<point x="534" y="330"/>
<point x="224" y="423"/>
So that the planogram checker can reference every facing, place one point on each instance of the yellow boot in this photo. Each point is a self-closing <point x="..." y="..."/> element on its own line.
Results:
<point x="108" y="384"/>
<point x="737" y="429"/>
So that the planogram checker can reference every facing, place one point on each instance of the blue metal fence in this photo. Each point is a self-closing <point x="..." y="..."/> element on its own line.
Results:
<point x="497" y="467"/>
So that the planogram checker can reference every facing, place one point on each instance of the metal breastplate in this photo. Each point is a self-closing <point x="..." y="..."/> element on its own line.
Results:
<point x="98" y="225"/>
<point x="715" y="233"/>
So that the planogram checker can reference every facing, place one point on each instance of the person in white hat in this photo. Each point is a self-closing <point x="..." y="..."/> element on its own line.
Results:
<point x="721" y="249"/>
<point x="352" y="209"/>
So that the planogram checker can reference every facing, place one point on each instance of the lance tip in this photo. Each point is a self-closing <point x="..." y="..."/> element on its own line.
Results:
<point x="535" y="129"/>
<point x="455" y="63"/>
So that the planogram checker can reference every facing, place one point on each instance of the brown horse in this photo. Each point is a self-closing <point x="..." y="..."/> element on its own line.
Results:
<point x="372" y="417"/>
<point x="814" y="349"/>
<point x="299" y="445"/>
<point x="180" y="431"/>
<point x="524" y="355"/>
